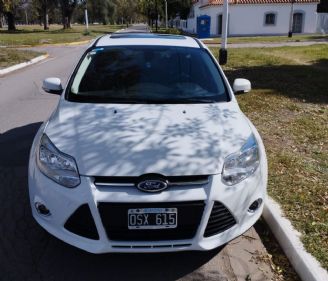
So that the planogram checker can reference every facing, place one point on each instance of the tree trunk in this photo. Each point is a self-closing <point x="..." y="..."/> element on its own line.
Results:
<point x="156" y="9"/>
<point x="1" y="23"/>
<point x="11" y="21"/>
<point x="149" y="17"/>
<point x="69" y="18"/>
<point x="65" y="22"/>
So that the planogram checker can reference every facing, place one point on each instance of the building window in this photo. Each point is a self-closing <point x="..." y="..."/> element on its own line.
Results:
<point x="270" y="19"/>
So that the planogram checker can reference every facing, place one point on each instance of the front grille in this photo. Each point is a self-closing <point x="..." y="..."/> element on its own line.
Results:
<point x="220" y="220"/>
<point x="114" y="217"/>
<point x="132" y="181"/>
<point x="81" y="223"/>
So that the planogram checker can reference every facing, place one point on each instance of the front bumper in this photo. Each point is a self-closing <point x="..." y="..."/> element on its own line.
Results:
<point x="63" y="202"/>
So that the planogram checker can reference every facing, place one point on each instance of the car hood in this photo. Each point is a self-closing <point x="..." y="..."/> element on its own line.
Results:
<point x="135" y="139"/>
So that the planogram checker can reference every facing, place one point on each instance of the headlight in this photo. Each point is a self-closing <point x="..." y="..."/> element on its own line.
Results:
<point x="56" y="165"/>
<point x="240" y="165"/>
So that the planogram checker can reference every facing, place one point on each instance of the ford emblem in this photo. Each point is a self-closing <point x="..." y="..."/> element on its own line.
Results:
<point x="152" y="185"/>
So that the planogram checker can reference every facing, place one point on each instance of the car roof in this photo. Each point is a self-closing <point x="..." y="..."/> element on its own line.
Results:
<point x="147" y="39"/>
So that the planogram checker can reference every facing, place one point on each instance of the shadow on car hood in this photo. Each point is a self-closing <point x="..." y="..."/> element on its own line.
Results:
<point x="135" y="139"/>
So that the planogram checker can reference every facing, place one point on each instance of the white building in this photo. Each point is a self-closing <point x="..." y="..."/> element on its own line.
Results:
<point x="253" y="17"/>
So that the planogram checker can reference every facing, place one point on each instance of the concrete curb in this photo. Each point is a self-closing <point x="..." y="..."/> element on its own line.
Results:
<point x="22" y="65"/>
<point x="307" y="267"/>
<point x="76" y="43"/>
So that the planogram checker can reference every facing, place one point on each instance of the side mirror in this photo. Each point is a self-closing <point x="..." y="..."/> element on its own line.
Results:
<point x="52" y="86"/>
<point x="241" y="86"/>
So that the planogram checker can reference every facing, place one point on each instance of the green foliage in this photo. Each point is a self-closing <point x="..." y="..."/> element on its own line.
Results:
<point x="101" y="11"/>
<point x="67" y="8"/>
<point x="9" y="5"/>
<point x="150" y="8"/>
<point x="181" y="7"/>
<point x="174" y="31"/>
<point x="126" y="9"/>
<point x="8" y="8"/>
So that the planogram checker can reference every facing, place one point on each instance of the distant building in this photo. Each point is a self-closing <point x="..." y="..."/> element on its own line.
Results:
<point x="252" y="17"/>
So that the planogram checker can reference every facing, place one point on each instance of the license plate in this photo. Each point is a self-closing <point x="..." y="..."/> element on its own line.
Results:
<point x="152" y="218"/>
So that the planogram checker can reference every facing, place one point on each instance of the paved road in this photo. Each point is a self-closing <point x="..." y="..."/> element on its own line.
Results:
<point x="29" y="253"/>
<point x="136" y="28"/>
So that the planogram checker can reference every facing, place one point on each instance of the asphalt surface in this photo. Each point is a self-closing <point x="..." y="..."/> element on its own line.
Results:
<point x="136" y="28"/>
<point x="27" y="252"/>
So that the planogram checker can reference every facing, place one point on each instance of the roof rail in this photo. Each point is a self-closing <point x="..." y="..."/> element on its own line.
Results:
<point x="94" y="44"/>
<point x="199" y="43"/>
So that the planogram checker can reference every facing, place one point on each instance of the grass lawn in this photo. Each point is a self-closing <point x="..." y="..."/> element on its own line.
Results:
<point x="35" y="35"/>
<point x="289" y="106"/>
<point x="269" y="39"/>
<point x="9" y="57"/>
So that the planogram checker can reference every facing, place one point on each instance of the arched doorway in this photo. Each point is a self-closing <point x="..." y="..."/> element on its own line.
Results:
<point x="297" y="22"/>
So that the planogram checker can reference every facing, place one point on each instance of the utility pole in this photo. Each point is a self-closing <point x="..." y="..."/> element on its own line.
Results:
<point x="166" y="24"/>
<point x="45" y="14"/>
<point x="86" y="15"/>
<point x="223" y="53"/>
<point x="156" y="11"/>
<point x="290" y="33"/>
<point x="26" y="19"/>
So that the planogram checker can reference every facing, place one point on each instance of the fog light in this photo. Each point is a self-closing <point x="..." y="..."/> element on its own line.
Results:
<point x="255" y="205"/>
<point x="42" y="209"/>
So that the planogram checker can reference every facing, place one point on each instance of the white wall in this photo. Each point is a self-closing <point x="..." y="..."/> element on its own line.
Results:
<point x="249" y="19"/>
<point x="191" y="25"/>
<point x="322" y="25"/>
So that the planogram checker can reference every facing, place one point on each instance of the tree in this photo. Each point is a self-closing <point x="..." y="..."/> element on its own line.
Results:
<point x="152" y="8"/>
<point x="101" y="10"/>
<point x="9" y="8"/>
<point x="111" y="11"/>
<point x="126" y="10"/>
<point x="43" y="7"/>
<point x="323" y="6"/>
<point x="148" y="9"/>
<point x="67" y="8"/>
<point x="180" y="8"/>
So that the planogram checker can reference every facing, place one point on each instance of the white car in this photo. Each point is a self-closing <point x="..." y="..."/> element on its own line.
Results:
<point x="147" y="151"/>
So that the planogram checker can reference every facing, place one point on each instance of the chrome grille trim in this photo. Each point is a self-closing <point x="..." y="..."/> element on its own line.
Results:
<point x="114" y="184"/>
<point x="176" y="181"/>
<point x="201" y="182"/>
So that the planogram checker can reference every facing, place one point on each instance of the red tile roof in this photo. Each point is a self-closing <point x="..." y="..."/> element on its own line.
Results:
<point x="241" y="2"/>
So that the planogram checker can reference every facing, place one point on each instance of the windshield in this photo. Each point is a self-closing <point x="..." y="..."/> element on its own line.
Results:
<point x="147" y="74"/>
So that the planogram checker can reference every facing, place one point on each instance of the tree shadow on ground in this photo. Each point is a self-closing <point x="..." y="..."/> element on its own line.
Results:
<point x="27" y="252"/>
<point x="307" y="83"/>
<point x="320" y="37"/>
